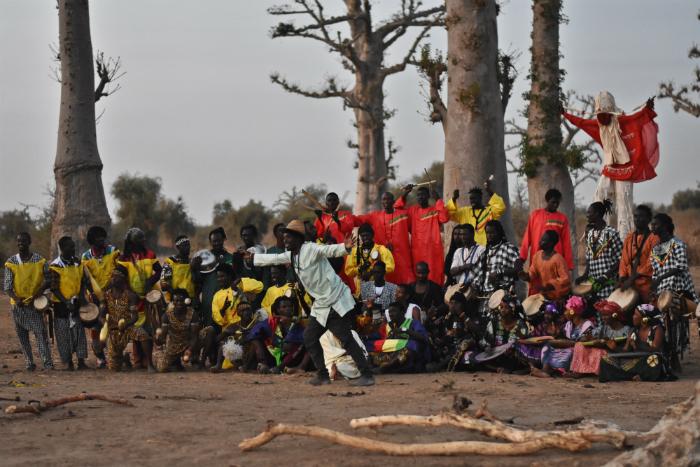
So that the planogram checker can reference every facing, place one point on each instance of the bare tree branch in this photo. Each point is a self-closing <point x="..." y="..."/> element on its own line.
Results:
<point x="108" y="72"/>
<point x="432" y="68"/>
<point x="411" y="16"/>
<point x="399" y="67"/>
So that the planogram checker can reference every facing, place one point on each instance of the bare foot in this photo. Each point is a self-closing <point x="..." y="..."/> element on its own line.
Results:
<point x="636" y="378"/>
<point x="536" y="372"/>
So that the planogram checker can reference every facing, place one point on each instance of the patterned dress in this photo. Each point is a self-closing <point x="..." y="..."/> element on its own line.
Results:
<point x="603" y="251"/>
<point x="118" y="308"/>
<point x="644" y="362"/>
<point x="560" y="359"/>
<point x="179" y="335"/>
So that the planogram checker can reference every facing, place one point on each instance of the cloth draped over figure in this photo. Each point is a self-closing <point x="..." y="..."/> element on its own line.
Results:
<point x="630" y="152"/>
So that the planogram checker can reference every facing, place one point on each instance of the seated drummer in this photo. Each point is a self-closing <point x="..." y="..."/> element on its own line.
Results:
<point x="67" y="286"/>
<point x="287" y="342"/>
<point x="645" y="359"/>
<point x="180" y="330"/>
<point x="635" y="265"/>
<point x="249" y="334"/>
<point x="500" y="263"/>
<point x="549" y="274"/>
<point x="508" y="329"/>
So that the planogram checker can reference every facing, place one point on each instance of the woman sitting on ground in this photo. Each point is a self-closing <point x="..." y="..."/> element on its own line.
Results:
<point x="504" y="333"/>
<point x="557" y="354"/>
<point x="402" y="346"/>
<point x="608" y="337"/>
<point x="543" y="324"/>
<point x="642" y="358"/>
<point x="287" y="343"/>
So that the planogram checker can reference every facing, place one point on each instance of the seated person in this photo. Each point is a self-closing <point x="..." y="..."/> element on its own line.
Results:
<point x="242" y="344"/>
<point x="376" y="294"/>
<point x="642" y="358"/>
<point x="287" y="342"/>
<point x="279" y="286"/>
<point x="403" y="345"/>
<point x="549" y="274"/>
<point x="425" y="292"/>
<point x="361" y="260"/>
<point x="543" y="324"/>
<point x="502" y="335"/>
<point x="557" y="354"/>
<point x="338" y="363"/>
<point x="404" y="297"/>
<point x="179" y="330"/>
<point x="610" y="336"/>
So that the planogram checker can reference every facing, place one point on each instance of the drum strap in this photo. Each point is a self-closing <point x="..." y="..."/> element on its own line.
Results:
<point x="638" y="254"/>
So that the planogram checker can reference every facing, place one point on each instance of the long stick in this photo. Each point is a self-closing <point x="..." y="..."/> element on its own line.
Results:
<point x="314" y="201"/>
<point x="43" y="406"/>
<point x="430" y="182"/>
<point x="451" y="448"/>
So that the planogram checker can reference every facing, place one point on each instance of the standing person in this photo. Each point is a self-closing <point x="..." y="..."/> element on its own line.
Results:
<point x="208" y="282"/>
<point x="500" y="263"/>
<point x="424" y="224"/>
<point x="359" y="263"/>
<point x="143" y="272"/>
<point x="278" y="233"/>
<point x="603" y="250"/>
<point x="635" y="266"/>
<point x="542" y="220"/>
<point x="67" y="287"/>
<point x="99" y="262"/>
<point x="333" y="300"/>
<point x="180" y="332"/>
<point x="456" y="242"/>
<point x="24" y="281"/>
<point x="464" y="268"/>
<point x="331" y="227"/>
<point x="177" y="272"/>
<point x="549" y="273"/>
<point x="391" y="230"/>
<point x="477" y="214"/>
<point x="249" y="236"/>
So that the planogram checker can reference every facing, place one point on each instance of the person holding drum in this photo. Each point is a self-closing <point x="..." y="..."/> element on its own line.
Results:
<point x="177" y="271"/>
<point x="635" y="265"/>
<point x="603" y="250"/>
<point x="466" y="259"/>
<point x="203" y="274"/>
<point x="673" y="284"/>
<point x="378" y="293"/>
<point x="24" y="283"/>
<point x="99" y="262"/>
<point x="363" y="257"/>
<point x="549" y="273"/>
<point x="67" y="286"/>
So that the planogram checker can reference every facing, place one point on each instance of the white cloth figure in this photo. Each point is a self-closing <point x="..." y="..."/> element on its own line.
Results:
<point x="622" y="192"/>
<point x="336" y="358"/>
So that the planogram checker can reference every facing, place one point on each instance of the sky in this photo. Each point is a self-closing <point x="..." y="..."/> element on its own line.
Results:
<point x="198" y="110"/>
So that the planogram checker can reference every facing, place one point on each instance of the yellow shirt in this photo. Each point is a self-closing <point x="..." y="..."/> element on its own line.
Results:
<point x="101" y="268"/>
<point x="466" y="215"/>
<point x="27" y="277"/>
<point x="70" y="278"/>
<point x="274" y="292"/>
<point x="139" y="272"/>
<point x="182" y="276"/>
<point x="229" y="316"/>
<point x="378" y="252"/>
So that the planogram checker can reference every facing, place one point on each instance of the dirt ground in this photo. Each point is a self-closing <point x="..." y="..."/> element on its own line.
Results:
<point x="197" y="417"/>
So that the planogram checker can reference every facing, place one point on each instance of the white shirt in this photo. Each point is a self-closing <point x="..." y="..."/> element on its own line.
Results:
<point x="465" y="256"/>
<point x="317" y="276"/>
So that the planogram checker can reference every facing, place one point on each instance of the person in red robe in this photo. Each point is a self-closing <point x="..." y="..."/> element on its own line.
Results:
<point x="424" y="223"/>
<point x="390" y="227"/>
<point x="332" y="225"/>
<point x="637" y="132"/>
<point x="545" y="219"/>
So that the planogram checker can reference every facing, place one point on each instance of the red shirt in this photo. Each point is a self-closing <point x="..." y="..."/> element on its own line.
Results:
<point x="391" y="230"/>
<point x="539" y="222"/>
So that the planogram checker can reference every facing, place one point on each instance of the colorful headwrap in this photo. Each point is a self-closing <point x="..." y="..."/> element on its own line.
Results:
<point x="551" y="308"/>
<point x="576" y="304"/>
<point x="181" y="241"/>
<point x="609" y="308"/>
<point x="649" y="313"/>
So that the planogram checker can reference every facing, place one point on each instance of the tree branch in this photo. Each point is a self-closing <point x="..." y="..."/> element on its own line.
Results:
<point x="410" y="16"/>
<point x="401" y="66"/>
<point x="108" y="72"/>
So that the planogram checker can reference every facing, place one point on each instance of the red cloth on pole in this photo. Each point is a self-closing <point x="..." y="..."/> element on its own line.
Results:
<point x="391" y="230"/>
<point x="639" y="133"/>
<point x="426" y="241"/>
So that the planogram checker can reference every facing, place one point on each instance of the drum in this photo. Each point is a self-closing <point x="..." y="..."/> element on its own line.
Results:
<point x="41" y="303"/>
<point x="625" y="298"/>
<point x="674" y="303"/>
<point x="583" y="289"/>
<point x="496" y="298"/>
<point x="492" y="353"/>
<point x="533" y="304"/>
<point x="209" y="262"/>
<point x="89" y="314"/>
<point x="468" y="292"/>
<point x="665" y="300"/>
<point x="154" y="296"/>
<point x="155" y="305"/>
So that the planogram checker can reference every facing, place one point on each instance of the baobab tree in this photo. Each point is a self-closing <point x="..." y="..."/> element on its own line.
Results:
<point x="362" y="53"/>
<point x="80" y="199"/>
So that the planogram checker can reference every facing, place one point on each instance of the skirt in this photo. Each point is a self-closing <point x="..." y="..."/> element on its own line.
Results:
<point x="586" y="360"/>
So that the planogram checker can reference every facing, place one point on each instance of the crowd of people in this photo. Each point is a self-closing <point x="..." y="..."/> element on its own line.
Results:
<point x="385" y="299"/>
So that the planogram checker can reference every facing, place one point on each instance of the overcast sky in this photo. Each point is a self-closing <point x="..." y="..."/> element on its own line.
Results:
<point x="197" y="107"/>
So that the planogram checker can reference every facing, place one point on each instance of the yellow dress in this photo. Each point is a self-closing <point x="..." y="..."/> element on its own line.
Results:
<point x="70" y="278"/>
<point x="353" y="263"/>
<point x="182" y="276"/>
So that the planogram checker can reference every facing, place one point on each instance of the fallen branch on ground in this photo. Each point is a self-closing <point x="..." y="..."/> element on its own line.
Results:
<point x="421" y="449"/>
<point x="38" y="407"/>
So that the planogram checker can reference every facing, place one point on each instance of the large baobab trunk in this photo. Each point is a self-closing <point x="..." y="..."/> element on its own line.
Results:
<point x="474" y="127"/>
<point x="80" y="199"/>
<point x="371" y="160"/>
<point x="545" y="163"/>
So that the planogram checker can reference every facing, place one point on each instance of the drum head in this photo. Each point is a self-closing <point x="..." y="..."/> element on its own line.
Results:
<point x="492" y="353"/>
<point x="41" y="303"/>
<point x="625" y="298"/>
<point x="496" y="299"/>
<point x="582" y="289"/>
<point x="665" y="300"/>
<point x="209" y="262"/>
<point x="451" y="290"/>
<point x="154" y="296"/>
<point x="89" y="313"/>
<point x="533" y="304"/>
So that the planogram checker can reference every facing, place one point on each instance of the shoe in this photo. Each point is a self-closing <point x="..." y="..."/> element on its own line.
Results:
<point x="82" y="365"/>
<point x="31" y="367"/>
<point x="319" y="380"/>
<point x="101" y="364"/>
<point x="364" y="380"/>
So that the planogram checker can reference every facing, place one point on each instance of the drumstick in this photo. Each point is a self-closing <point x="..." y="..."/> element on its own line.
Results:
<point x="425" y="183"/>
<point x="314" y="201"/>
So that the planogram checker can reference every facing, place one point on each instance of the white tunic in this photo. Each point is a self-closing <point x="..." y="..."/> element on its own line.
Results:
<point x="317" y="276"/>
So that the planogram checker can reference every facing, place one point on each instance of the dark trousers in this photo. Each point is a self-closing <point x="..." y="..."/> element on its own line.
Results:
<point x="341" y="327"/>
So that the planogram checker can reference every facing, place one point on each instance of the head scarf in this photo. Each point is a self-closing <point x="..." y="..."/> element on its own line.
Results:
<point x="609" y="308"/>
<point x="551" y="308"/>
<point x="576" y="304"/>
<point x="614" y="150"/>
<point x="650" y="314"/>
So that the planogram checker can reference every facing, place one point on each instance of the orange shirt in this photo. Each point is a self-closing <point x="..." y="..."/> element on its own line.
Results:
<point x="553" y="271"/>
<point x="632" y="244"/>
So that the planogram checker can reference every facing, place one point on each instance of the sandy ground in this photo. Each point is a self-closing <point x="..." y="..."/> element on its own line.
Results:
<point x="197" y="417"/>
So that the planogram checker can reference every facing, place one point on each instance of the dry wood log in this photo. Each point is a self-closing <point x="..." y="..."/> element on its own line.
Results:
<point x="676" y="443"/>
<point x="37" y="408"/>
<point x="566" y="439"/>
<point x="420" y="449"/>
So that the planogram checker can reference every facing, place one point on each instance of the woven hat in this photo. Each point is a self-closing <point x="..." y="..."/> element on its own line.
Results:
<point x="296" y="227"/>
